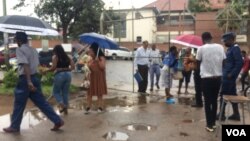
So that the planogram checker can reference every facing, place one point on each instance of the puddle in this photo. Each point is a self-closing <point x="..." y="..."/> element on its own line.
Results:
<point x="188" y="121"/>
<point x="184" y="134"/>
<point x="185" y="100"/>
<point x="116" y="136"/>
<point x="30" y="119"/>
<point x="140" y="127"/>
<point x="121" y="101"/>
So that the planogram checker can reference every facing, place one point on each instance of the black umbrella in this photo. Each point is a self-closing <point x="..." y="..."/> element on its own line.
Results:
<point x="30" y="25"/>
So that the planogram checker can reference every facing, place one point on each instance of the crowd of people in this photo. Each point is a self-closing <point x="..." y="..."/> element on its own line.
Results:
<point x="212" y="76"/>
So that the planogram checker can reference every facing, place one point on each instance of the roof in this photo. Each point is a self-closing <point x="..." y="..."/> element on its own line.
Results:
<point x="163" y="5"/>
<point x="138" y="9"/>
<point x="180" y="5"/>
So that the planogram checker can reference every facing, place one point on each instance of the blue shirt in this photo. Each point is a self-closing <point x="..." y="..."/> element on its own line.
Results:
<point x="171" y="61"/>
<point x="233" y="63"/>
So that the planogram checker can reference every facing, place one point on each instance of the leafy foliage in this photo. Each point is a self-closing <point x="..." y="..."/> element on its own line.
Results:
<point x="73" y="16"/>
<point x="199" y="5"/>
<point x="10" y="79"/>
<point x="233" y="12"/>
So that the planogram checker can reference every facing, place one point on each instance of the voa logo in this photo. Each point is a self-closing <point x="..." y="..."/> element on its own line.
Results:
<point x="236" y="132"/>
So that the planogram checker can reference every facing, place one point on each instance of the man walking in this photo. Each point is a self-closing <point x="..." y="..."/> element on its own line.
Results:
<point x="142" y="62"/>
<point x="155" y="61"/>
<point x="28" y="86"/>
<point x="211" y="72"/>
<point x="231" y="70"/>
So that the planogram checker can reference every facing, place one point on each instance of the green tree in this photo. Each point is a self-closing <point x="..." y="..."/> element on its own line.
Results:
<point x="61" y="12"/>
<point x="89" y="18"/>
<point x="196" y="6"/>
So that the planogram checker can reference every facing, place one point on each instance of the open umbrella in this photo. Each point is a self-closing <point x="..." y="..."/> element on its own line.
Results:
<point x="101" y="40"/>
<point x="30" y="25"/>
<point x="188" y="40"/>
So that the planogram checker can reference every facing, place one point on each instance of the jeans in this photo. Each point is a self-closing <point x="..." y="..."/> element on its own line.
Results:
<point x="22" y="94"/>
<point x="143" y="70"/>
<point x="210" y="89"/>
<point x="154" y="70"/>
<point x="61" y="86"/>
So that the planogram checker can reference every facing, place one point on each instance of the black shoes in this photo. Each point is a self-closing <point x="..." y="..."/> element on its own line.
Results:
<point x="158" y="87"/>
<point x="235" y="117"/>
<point x="223" y="117"/>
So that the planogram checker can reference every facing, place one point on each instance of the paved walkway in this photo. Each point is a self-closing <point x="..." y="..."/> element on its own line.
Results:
<point x="176" y="122"/>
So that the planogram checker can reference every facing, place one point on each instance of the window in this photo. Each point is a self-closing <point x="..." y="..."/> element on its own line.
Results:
<point x="120" y="27"/>
<point x="164" y="38"/>
<point x="138" y="39"/>
<point x="124" y="49"/>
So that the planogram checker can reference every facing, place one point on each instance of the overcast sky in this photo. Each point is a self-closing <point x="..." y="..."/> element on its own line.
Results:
<point x="124" y="4"/>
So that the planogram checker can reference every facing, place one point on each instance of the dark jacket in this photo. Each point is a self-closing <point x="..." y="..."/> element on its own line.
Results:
<point x="233" y="63"/>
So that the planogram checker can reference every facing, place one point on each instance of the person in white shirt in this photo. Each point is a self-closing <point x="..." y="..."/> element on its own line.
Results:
<point x="155" y="62"/>
<point x="210" y="57"/>
<point x="142" y="62"/>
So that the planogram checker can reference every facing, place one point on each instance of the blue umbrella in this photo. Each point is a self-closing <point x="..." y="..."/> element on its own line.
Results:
<point x="101" y="40"/>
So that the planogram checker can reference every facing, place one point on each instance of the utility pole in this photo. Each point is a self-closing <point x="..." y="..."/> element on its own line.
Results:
<point x="5" y="36"/>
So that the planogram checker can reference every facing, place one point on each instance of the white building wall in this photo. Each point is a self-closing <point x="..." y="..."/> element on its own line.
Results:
<point x="145" y="27"/>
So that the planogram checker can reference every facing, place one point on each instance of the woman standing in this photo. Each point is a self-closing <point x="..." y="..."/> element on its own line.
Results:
<point x="170" y="67"/>
<point x="98" y="85"/>
<point x="62" y="65"/>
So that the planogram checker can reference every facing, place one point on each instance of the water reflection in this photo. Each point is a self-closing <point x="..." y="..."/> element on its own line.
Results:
<point x="116" y="136"/>
<point x="30" y="119"/>
<point x="140" y="127"/>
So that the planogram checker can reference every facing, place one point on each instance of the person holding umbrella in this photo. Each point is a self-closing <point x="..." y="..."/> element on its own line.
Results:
<point x="98" y="84"/>
<point x="29" y="86"/>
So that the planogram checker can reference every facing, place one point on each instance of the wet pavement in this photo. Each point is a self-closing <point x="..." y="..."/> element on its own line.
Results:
<point x="127" y="117"/>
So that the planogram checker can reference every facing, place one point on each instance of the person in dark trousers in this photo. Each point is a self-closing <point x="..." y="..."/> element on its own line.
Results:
<point x="197" y="86"/>
<point x="29" y="86"/>
<point x="231" y="70"/>
<point x="142" y="63"/>
<point x="244" y="70"/>
<point x="211" y="72"/>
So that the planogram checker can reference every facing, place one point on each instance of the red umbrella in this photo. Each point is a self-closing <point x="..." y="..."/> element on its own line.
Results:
<point x="188" y="40"/>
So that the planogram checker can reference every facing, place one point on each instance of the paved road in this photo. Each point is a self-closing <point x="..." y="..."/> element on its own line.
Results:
<point x="119" y="75"/>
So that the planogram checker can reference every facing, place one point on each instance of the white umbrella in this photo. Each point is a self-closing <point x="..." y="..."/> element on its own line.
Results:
<point x="29" y="25"/>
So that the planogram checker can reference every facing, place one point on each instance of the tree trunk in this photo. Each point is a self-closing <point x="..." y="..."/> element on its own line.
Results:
<point x="65" y="34"/>
<point x="248" y="28"/>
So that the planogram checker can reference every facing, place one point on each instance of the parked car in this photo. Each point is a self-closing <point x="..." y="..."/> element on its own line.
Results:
<point x="12" y="54"/>
<point x="122" y="52"/>
<point x="45" y="58"/>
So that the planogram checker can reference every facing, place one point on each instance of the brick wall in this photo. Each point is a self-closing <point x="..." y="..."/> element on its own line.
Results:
<point x="38" y="43"/>
<point x="205" y="21"/>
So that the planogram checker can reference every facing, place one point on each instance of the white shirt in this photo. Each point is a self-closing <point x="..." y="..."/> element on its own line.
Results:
<point x="155" y="57"/>
<point x="142" y="56"/>
<point x="211" y="57"/>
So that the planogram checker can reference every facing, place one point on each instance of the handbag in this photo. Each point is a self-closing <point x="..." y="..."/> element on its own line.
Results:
<point x="177" y="75"/>
<point x="85" y="84"/>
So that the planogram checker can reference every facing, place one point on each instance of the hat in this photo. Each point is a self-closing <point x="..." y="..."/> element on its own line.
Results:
<point x="227" y="36"/>
<point x="21" y="36"/>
